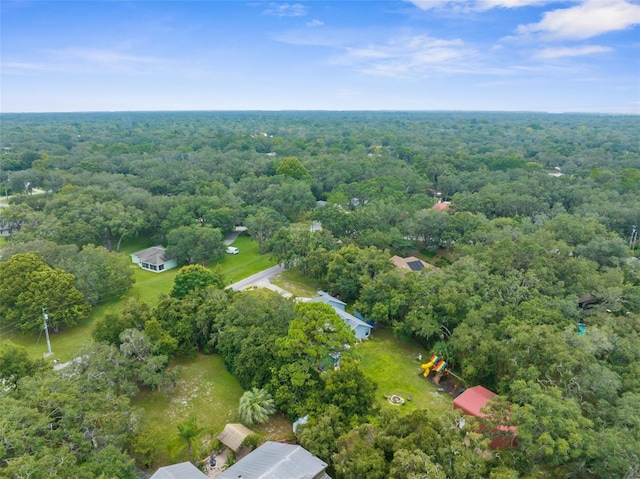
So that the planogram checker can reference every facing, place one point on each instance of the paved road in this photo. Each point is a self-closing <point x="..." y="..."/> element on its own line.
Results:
<point x="231" y="237"/>
<point x="261" y="280"/>
<point x="4" y="200"/>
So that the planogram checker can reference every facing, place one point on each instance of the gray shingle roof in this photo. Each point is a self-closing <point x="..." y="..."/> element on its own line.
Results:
<point x="274" y="460"/>
<point x="155" y="255"/>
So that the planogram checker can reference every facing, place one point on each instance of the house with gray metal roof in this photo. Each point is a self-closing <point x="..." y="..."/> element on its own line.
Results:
<point x="274" y="460"/>
<point x="184" y="470"/>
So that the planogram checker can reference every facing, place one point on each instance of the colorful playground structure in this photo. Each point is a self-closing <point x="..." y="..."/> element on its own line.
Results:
<point x="439" y="366"/>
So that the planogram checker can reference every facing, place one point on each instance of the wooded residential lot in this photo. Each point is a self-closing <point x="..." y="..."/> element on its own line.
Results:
<point x="521" y="233"/>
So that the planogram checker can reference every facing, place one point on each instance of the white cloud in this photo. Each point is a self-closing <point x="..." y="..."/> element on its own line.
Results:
<point x="286" y="10"/>
<point x="589" y="19"/>
<point x="466" y="5"/>
<point x="106" y="57"/>
<point x="489" y="4"/>
<point x="14" y="67"/>
<point x="89" y="60"/>
<point x="432" y="4"/>
<point x="405" y="56"/>
<point x="453" y="5"/>
<point x="581" y="51"/>
<point x="315" y="23"/>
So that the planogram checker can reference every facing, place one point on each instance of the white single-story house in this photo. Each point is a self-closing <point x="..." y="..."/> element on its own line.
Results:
<point x="154" y="259"/>
<point x="360" y="329"/>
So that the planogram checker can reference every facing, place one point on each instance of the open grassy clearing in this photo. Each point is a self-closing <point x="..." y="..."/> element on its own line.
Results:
<point x="68" y="341"/>
<point x="249" y="261"/>
<point x="296" y="283"/>
<point x="393" y="365"/>
<point x="206" y="391"/>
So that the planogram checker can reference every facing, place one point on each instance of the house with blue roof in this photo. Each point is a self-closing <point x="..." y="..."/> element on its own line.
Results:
<point x="360" y="329"/>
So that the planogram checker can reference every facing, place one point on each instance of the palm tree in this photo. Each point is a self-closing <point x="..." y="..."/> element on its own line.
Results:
<point x="256" y="406"/>
<point x="188" y="431"/>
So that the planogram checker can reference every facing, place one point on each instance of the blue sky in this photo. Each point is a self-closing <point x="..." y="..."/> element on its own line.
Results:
<point x="536" y="55"/>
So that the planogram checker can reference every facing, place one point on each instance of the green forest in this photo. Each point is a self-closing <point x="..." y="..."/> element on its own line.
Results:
<point x="529" y="222"/>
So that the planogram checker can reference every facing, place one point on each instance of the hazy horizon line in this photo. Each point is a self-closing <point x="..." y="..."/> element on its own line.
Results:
<point x="288" y="110"/>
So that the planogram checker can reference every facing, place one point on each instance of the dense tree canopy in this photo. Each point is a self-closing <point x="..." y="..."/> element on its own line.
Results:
<point x="66" y="426"/>
<point x="530" y="223"/>
<point x="28" y="286"/>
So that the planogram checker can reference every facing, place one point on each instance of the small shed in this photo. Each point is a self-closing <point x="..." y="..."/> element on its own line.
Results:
<point x="183" y="470"/>
<point x="472" y="401"/>
<point x="299" y="422"/>
<point x="587" y="301"/>
<point x="234" y="435"/>
<point x="155" y="259"/>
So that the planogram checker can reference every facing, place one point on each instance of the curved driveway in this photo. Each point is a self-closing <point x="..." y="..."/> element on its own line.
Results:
<point x="262" y="280"/>
<point x="231" y="237"/>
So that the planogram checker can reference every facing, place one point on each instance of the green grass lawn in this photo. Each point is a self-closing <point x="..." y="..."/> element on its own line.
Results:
<point x="206" y="391"/>
<point x="249" y="261"/>
<point x="66" y="343"/>
<point x="392" y="364"/>
<point x="296" y="283"/>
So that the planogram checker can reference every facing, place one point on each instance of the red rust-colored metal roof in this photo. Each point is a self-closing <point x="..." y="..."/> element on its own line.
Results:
<point x="473" y="400"/>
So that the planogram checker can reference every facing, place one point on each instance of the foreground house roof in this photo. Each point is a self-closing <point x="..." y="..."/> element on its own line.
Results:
<point x="184" y="470"/>
<point x="274" y="460"/>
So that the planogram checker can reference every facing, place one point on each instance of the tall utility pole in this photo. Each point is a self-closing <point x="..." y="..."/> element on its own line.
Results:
<point x="46" y="329"/>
